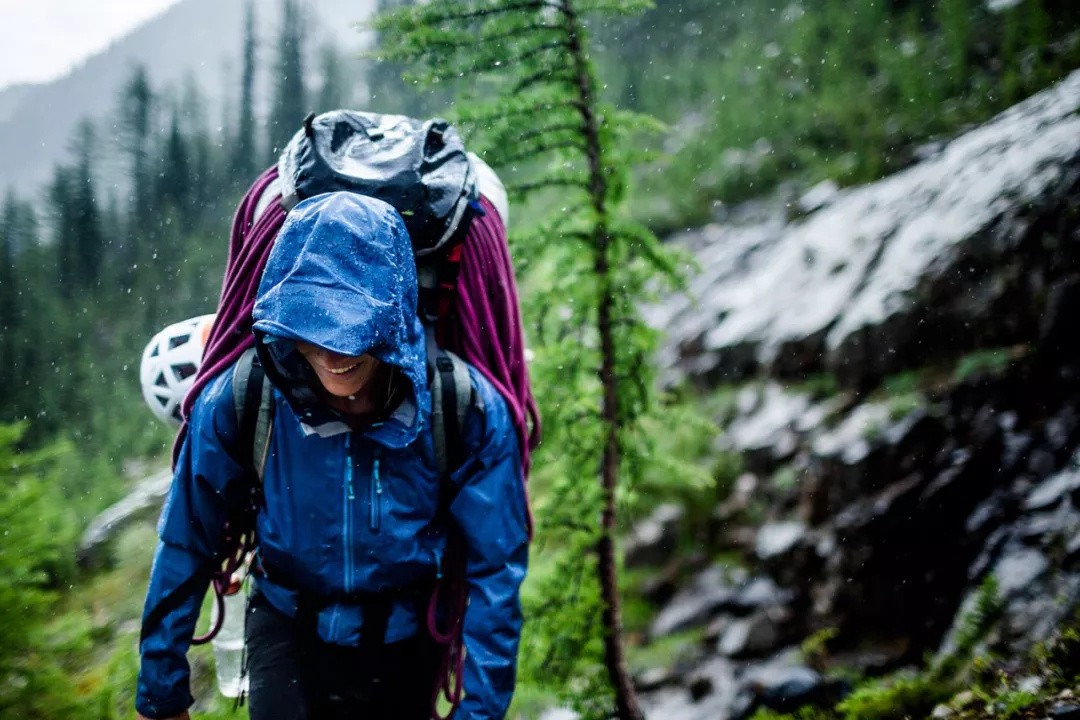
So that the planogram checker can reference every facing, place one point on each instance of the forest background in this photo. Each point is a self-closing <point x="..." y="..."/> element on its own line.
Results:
<point x="755" y="95"/>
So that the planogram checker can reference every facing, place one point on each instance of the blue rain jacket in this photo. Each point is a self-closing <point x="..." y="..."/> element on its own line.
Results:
<point x="345" y="512"/>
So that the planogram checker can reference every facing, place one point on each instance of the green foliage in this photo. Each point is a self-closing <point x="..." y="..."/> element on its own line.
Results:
<point x="975" y="623"/>
<point x="897" y="698"/>
<point x="35" y="561"/>
<point x="814" y="649"/>
<point x="666" y="652"/>
<point x="1011" y="704"/>
<point x="992" y="360"/>
<point x="1059" y="659"/>
<point x="813" y="90"/>
<point x="819" y="386"/>
<point x="536" y="115"/>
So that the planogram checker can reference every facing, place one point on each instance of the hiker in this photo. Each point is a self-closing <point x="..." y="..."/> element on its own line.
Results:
<point x="354" y="518"/>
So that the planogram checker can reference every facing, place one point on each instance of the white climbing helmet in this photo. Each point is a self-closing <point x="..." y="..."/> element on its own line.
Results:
<point x="169" y="364"/>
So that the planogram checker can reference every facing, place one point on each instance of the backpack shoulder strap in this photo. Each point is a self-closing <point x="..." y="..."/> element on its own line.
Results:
<point x="452" y="395"/>
<point x="253" y="399"/>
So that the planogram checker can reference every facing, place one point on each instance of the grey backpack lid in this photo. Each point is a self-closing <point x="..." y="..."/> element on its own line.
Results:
<point x="419" y="167"/>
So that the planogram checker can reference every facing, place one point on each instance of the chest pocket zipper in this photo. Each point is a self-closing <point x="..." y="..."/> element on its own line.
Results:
<point x="376" y="495"/>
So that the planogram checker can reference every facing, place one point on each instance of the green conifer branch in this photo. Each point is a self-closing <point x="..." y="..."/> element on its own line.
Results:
<point x="413" y="18"/>
<point x="544" y="121"/>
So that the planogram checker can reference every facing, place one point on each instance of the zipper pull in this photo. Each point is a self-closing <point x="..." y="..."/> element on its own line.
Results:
<point x="438" y="564"/>
<point x="348" y="468"/>
<point x="376" y="495"/>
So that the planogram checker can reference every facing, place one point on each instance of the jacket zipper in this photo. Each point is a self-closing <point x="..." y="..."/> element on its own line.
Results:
<point x="376" y="495"/>
<point x="350" y="495"/>
<point x="438" y="563"/>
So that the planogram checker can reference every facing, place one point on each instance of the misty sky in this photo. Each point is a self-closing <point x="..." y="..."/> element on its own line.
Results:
<point x="43" y="39"/>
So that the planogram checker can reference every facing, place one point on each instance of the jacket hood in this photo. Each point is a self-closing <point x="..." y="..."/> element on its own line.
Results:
<point x="341" y="275"/>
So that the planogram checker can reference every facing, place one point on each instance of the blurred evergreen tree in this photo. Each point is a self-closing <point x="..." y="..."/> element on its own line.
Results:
<point x="10" y="318"/>
<point x="89" y="250"/>
<point x="136" y="114"/>
<point x="388" y="92"/>
<point x="174" y="176"/>
<point x="333" y="90"/>
<point x="62" y="216"/>
<point x="289" y="105"/>
<point x="245" y="157"/>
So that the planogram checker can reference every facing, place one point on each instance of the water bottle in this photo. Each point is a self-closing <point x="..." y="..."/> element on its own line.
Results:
<point x="228" y="646"/>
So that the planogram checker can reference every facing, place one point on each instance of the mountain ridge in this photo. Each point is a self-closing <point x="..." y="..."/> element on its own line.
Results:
<point x="177" y="46"/>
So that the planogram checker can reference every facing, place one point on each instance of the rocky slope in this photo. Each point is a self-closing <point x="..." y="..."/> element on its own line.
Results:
<point x="956" y="252"/>
<point x="876" y="500"/>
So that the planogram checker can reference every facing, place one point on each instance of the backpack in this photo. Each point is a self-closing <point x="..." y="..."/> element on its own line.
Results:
<point x="419" y="167"/>
<point x="422" y="169"/>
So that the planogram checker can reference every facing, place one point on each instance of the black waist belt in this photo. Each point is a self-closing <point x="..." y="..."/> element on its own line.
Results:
<point x="377" y="606"/>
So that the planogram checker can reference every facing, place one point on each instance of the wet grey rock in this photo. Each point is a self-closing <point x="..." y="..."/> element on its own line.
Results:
<point x="986" y="515"/>
<point x="1016" y="571"/>
<point x="752" y="636"/>
<point x="654" y="679"/>
<point x="1065" y="711"/>
<point x="766" y="430"/>
<point x="715" y="629"/>
<point x="737" y="502"/>
<point x="695" y="604"/>
<point x="717" y="674"/>
<point x="654" y="540"/>
<point x="559" y="714"/>
<point x="777" y="539"/>
<point x="143" y="502"/>
<point x="849" y="442"/>
<point x="818" y="196"/>
<point x="785" y="688"/>
<point x="880" y="291"/>
<point x="1054" y="489"/>
<point x="760" y="593"/>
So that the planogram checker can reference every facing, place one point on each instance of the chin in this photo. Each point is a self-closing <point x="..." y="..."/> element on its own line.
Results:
<point x="341" y="392"/>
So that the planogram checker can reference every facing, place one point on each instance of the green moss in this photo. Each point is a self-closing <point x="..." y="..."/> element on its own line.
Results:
<point x="814" y="649"/>
<point x="975" y="624"/>
<point x="819" y="386"/>
<point x="666" y="652"/>
<point x="1012" y="703"/>
<point x="903" y="696"/>
<point x="1059" y="660"/>
<point x="992" y="360"/>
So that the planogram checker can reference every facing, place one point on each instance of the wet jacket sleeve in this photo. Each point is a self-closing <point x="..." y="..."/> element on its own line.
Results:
<point x="207" y="484"/>
<point x="490" y="509"/>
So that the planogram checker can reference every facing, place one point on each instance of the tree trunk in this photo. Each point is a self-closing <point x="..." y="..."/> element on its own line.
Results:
<point x="626" y="703"/>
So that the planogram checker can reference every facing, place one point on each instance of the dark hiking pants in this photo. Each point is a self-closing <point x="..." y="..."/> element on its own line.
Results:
<point x="293" y="675"/>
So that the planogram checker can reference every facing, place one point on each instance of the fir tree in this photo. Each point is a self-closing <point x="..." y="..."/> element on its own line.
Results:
<point x="544" y="126"/>
<point x="290" y="105"/>
<point x="136" y="114"/>
<point x="333" y="90"/>
<point x="10" y="320"/>
<point x="175" y="170"/>
<point x="89" y="250"/>
<point x="245" y="157"/>
<point x="60" y="193"/>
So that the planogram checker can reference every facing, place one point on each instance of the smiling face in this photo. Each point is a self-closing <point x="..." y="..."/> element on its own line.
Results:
<point x="342" y="375"/>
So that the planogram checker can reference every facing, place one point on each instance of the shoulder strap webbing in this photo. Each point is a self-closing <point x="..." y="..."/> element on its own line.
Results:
<point x="253" y="399"/>
<point x="452" y="395"/>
